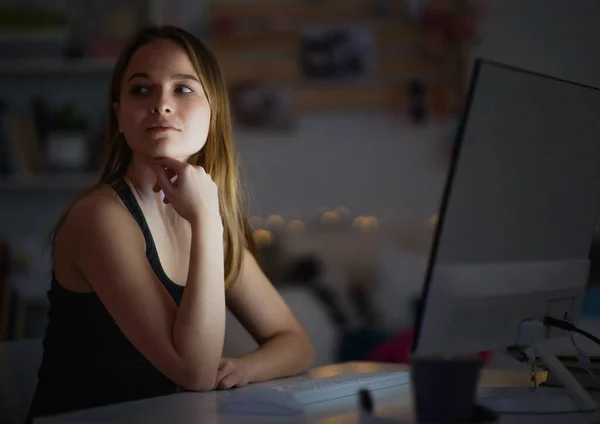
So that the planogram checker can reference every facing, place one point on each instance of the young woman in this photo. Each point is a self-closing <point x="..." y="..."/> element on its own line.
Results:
<point x="145" y="263"/>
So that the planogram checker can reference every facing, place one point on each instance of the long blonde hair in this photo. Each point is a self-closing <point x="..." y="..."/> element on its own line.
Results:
<point x="218" y="156"/>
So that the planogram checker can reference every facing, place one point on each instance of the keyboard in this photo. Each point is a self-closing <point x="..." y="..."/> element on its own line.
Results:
<point x="306" y="392"/>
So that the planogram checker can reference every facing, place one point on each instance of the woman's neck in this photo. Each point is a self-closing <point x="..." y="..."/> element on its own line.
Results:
<point x="142" y="178"/>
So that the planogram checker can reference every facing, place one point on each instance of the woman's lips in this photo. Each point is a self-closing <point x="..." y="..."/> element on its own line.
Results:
<point x="161" y="129"/>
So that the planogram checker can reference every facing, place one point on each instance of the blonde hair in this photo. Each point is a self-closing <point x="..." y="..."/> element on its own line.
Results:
<point x="218" y="156"/>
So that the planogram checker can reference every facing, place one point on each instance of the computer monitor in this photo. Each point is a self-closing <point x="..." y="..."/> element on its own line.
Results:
<point x="516" y="221"/>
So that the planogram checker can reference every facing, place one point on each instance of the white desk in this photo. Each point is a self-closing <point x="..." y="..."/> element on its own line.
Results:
<point x="395" y="402"/>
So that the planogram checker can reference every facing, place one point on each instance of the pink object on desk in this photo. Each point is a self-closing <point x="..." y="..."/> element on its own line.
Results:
<point x="398" y="350"/>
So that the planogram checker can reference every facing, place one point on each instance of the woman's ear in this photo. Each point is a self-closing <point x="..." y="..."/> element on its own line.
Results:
<point x="116" y="109"/>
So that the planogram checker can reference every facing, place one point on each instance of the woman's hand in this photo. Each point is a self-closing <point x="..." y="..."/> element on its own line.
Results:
<point x="189" y="189"/>
<point x="231" y="374"/>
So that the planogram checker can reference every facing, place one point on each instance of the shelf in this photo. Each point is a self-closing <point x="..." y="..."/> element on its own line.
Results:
<point x="236" y="70"/>
<point x="277" y="10"/>
<point x="34" y="35"/>
<point x="267" y="40"/>
<point x="392" y="36"/>
<point x="320" y="11"/>
<point x="371" y="96"/>
<point x="57" y="67"/>
<point x="290" y="40"/>
<point x="414" y="68"/>
<point x="344" y="96"/>
<point x="287" y="69"/>
<point x="65" y="182"/>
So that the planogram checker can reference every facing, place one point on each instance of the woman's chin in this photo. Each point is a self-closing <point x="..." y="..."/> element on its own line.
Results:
<point x="169" y="153"/>
<point x="170" y="147"/>
<point x="161" y="147"/>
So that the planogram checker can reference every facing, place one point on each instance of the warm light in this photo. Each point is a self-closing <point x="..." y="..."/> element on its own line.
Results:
<point x="357" y="223"/>
<point x="341" y="211"/>
<point x="373" y="223"/>
<point x="330" y="217"/>
<point x="263" y="238"/>
<point x="296" y="226"/>
<point x="256" y="221"/>
<point x="352" y="367"/>
<point x="275" y="221"/>
<point x="365" y="223"/>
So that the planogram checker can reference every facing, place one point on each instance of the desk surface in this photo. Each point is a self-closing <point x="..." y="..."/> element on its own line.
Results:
<point x="389" y="403"/>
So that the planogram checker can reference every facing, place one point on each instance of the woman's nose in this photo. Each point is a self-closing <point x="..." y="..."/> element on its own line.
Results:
<point x="162" y="109"/>
<point x="162" y="104"/>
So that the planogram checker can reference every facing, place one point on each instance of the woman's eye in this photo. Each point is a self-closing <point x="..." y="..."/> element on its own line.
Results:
<point x="183" y="89"/>
<point x="140" y="90"/>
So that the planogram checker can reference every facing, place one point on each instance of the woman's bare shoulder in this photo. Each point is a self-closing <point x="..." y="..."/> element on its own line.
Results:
<point x="96" y="212"/>
<point x="97" y="218"/>
<point x="100" y="202"/>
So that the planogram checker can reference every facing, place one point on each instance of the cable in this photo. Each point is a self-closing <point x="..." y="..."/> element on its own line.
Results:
<point x="582" y="357"/>
<point x="584" y="360"/>
<point x="567" y="326"/>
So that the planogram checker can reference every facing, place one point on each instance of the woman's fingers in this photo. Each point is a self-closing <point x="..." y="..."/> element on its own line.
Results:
<point x="176" y="166"/>
<point x="225" y="368"/>
<point x="163" y="181"/>
<point x="226" y="383"/>
<point x="223" y="380"/>
<point x="156" y="188"/>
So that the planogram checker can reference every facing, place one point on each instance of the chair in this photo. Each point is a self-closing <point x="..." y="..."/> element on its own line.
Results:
<point x="19" y="363"/>
<point x="4" y="288"/>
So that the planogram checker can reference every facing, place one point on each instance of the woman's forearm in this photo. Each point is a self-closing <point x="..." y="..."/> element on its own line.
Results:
<point x="199" y="329"/>
<point x="283" y="355"/>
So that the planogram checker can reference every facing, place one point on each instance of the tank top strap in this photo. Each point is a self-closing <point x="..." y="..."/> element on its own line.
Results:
<point x="127" y="197"/>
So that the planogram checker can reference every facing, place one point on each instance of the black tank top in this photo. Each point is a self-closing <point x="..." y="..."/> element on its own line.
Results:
<point x="87" y="360"/>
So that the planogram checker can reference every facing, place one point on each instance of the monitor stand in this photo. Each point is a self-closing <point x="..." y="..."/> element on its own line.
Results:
<point x="543" y="400"/>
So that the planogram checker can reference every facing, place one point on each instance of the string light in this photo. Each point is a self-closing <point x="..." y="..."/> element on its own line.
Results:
<point x="263" y="238"/>
<point x="342" y="210"/>
<point x="373" y="222"/>
<point x="359" y="222"/>
<point x="296" y="226"/>
<point x="275" y="221"/>
<point x="365" y="223"/>
<point x="330" y="217"/>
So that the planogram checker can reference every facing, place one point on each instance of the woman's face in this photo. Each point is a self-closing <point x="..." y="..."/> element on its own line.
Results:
<point x="163" y="110"/>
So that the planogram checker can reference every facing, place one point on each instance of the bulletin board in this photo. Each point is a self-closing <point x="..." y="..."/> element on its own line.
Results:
<point x="406" y="57"/>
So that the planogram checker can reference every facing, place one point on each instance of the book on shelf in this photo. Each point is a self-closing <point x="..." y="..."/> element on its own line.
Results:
<point x="20" y="149"/>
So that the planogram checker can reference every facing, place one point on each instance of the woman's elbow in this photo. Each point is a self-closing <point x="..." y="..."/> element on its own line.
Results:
<point x="198" y="385"/>
<point x="308" y="354"/>
<point x="196" y="381"/>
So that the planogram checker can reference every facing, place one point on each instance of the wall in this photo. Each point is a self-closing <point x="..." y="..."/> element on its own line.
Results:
<point x="367" y="162"/>
<point x="556" y="37"/>
<point x="373" y="166"/>
<point x="364" y="161"/>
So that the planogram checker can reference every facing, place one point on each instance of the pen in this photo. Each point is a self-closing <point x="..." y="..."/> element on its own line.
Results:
<point x="366" y="406"/>
<point x="365" y="401"/>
